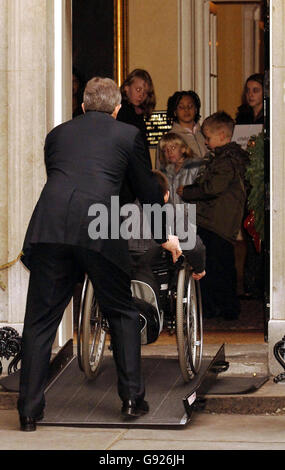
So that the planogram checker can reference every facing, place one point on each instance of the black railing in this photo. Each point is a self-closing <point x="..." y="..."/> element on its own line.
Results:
<point x="10" y="346"/>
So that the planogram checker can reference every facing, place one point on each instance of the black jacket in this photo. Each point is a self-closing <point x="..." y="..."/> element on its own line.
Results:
<point x="88" y="159"/>
<point x="245" y="116"/>
<point x="220" y="191"/>
<point x="128" y="115"/>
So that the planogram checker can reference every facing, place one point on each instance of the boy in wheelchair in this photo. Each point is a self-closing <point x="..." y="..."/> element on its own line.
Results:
<point x="154" y="274"/>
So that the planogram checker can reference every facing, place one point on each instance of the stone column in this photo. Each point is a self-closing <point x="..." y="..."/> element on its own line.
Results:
<point x="277" y="320"/>
<point x="27" y="92"/>
<point x="26" y="129"/>
<point x="28" y="44"/>
<point x="4" y="155"/>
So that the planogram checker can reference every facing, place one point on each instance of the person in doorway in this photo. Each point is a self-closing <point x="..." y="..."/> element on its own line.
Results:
<point x="251" y="112"/>
<point x="179" y="164"/>
<point x="251" y="109"/>
<point x="138" y="102"/>
<point x="183" y="112"/>
<point x="87" y="160"/>
<point x="220" y="195"/>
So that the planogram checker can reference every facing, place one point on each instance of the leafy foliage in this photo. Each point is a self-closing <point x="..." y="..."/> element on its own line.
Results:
<point x="255" y="177"/>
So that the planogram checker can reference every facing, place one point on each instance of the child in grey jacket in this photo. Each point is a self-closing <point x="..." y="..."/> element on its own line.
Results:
<point x="178" y="164"/>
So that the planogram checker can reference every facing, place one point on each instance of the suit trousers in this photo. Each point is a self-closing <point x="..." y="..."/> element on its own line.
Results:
<point x="55" y="271"/>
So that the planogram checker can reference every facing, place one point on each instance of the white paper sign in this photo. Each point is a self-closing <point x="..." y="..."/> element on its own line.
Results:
<point x="243" y="132"/>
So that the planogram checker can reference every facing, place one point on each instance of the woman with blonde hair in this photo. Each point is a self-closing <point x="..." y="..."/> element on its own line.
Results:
<point x="138" y="102"/>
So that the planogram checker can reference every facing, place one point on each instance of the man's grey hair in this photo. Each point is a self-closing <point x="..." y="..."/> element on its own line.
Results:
<point x="101" y="94"/>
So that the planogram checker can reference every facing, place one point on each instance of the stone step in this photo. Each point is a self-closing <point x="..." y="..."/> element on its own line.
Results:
<point x="268" y="399"/>
<point x="8" y="400"/>
<point x="244" y="359"/>
<point x="249" y="359"/>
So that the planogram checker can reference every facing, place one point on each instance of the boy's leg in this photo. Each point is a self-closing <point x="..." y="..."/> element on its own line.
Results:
<point x="207" y="283"/>
<point x="226" y="281"/>
<point x="219" y="290"/>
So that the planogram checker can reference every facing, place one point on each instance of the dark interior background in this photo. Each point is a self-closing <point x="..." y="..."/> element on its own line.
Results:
<point x="92" y="40"/>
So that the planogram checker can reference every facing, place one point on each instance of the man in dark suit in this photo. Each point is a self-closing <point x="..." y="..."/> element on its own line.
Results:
<point x="88" y="160"/>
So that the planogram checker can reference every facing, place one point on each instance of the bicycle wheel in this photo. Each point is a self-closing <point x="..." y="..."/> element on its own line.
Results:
<point x="189" y="328"/>
<point x="93" y="334"/>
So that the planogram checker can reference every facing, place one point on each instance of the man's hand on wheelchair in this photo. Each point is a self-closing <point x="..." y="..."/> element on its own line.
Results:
<point x="173" y="245"/>
<point x="198" y="276"/>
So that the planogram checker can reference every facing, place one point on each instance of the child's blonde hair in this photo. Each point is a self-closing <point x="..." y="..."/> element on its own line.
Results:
<point x="173" y="138"/>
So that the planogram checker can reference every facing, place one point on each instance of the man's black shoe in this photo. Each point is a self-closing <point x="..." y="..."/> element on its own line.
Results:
<point x="27" y="423"/>
<point x="134" y="409"/>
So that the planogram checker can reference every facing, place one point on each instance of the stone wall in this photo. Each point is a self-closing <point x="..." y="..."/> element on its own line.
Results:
<point x="25" y="60"/>
<point x="277" y="321"/>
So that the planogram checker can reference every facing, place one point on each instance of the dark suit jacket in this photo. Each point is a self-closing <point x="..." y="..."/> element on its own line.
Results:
<point x="88" y="160"/>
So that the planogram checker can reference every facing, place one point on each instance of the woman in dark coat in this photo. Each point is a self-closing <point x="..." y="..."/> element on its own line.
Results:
<point x="251" y="109"/>
<point x="251" y="112"/>
<point x="138" y="102"/>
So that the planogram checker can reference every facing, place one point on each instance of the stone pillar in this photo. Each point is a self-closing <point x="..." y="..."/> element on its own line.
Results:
<point x="26" y="132"/>
<point x="28" y="44"/>
<point x="4" y="155"/>
<point x="277" y="317"/>
<point x="27" y="92"/>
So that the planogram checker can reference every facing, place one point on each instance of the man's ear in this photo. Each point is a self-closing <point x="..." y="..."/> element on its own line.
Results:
<point x="166" y="196"/>
<point x="116" y="110"/>
<point x="83" y="107"/>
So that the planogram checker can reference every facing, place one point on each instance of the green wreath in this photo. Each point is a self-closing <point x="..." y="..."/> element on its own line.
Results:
<point x="255" y="177"/>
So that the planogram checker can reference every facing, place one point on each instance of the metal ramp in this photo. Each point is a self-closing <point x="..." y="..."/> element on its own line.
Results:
<point x="73" y="400"/>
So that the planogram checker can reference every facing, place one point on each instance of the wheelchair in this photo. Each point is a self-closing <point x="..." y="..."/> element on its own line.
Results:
<point x="175" y="306"/>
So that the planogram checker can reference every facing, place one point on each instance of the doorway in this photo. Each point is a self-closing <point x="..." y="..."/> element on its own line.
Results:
<point x="239" y="51"/>
<point x="237" y="56"/>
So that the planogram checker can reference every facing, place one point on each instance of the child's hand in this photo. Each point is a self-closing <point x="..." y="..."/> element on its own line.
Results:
<point x="198" y="276"/>
<point x="180" y="191"/>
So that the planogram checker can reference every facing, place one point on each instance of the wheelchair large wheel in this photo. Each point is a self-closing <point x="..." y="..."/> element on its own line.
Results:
<point x="189" y="327"/>
<point x="92" y="334"/>
<point x="79" y="325"/>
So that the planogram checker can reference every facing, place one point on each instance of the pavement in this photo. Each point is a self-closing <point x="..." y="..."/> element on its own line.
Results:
<point x="254" y="421"/>
<point x="205" y="431"/>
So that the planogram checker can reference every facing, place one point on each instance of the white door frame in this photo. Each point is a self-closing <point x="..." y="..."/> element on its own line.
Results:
<point x="197" y="31"/>
<point x="62" y="110"/>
